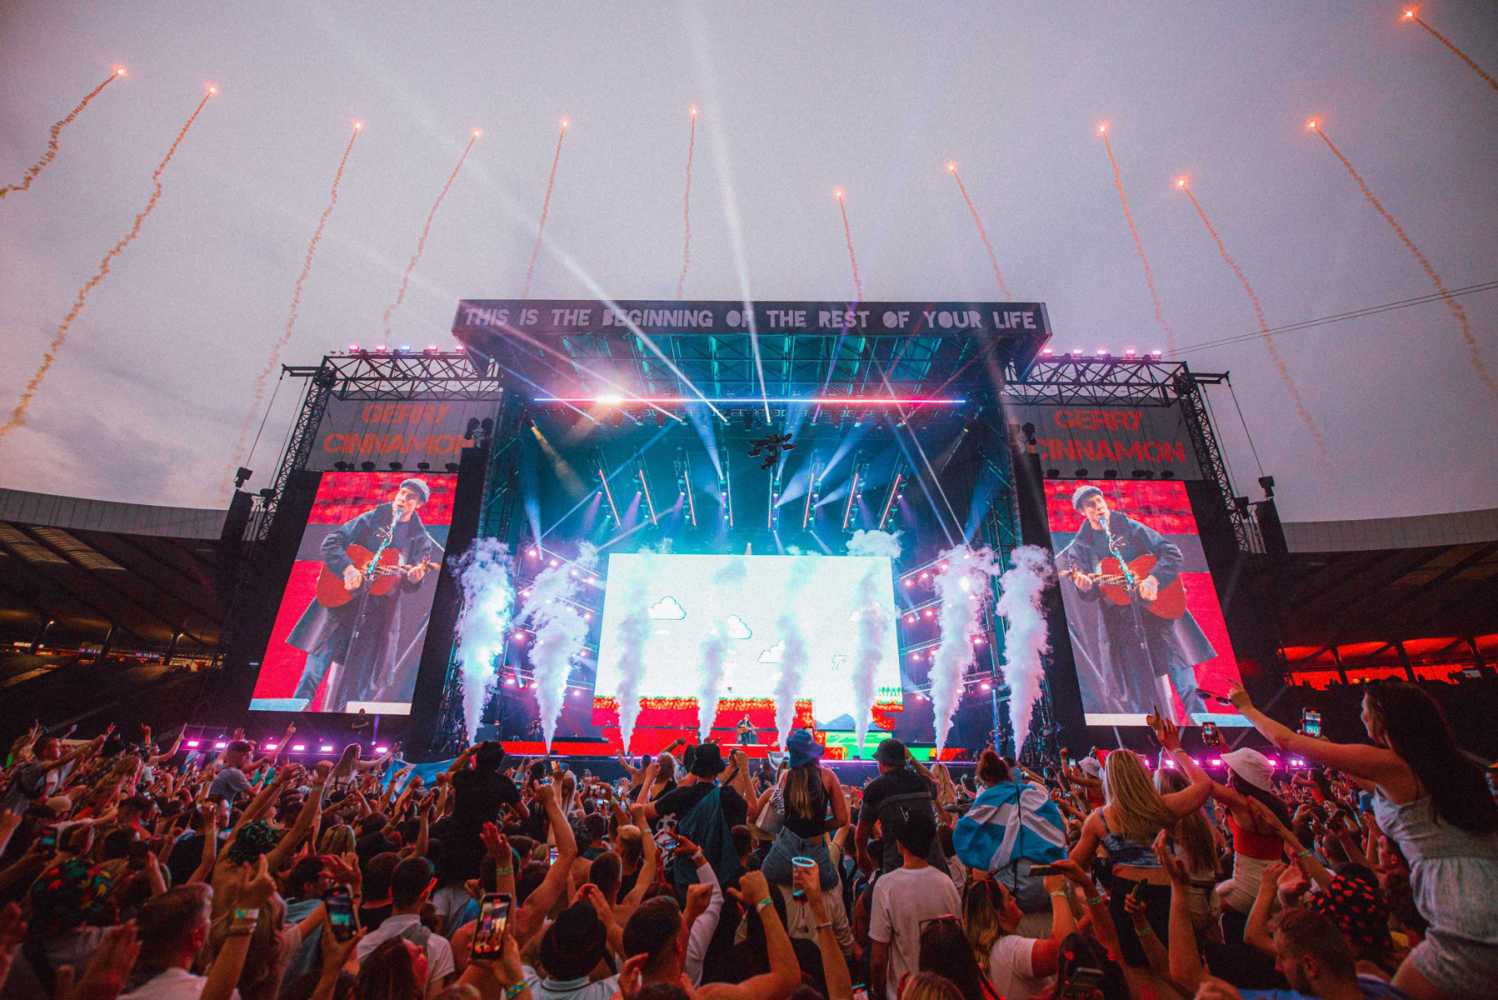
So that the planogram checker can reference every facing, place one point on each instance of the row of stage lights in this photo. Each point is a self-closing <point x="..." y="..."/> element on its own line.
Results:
<point x="1129" y="354"/>
<point x="404" y="350"/>
<point x="223" y="744"/>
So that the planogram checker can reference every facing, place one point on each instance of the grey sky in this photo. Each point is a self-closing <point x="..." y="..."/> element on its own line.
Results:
<point x="147" y="398"/>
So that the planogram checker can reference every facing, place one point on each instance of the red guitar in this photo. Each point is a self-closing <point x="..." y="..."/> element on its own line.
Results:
<point x="1169" y="603"/>
<point x="381" y="580"/>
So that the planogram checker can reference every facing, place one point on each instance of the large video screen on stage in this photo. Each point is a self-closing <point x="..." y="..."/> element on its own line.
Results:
<point x="741" y="610"/>
<point x="1146" y="625"/>
<point x="353" y="616"/>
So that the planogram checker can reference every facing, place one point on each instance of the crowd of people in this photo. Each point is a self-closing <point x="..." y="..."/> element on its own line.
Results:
<point x="145" y="871"/>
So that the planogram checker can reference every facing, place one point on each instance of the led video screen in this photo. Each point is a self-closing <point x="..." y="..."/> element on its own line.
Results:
<point x="742" y="612"/>
<point x="1146" y="625"/>
<point x="353" y="617"/>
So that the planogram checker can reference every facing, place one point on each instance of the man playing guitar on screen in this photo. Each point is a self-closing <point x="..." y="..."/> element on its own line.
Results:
<point x="354" y="624"/>
<point x="748" y="735"/>
<point x="1131" y="571"/>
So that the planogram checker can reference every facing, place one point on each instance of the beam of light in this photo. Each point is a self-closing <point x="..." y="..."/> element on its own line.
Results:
<point x="649" y="500"/>
<point x="707" y="73"/>
<point x="686" y="208"/>
<point x="603" y="479"/>
<point x="811" y="491"/>
<point x="889" y="502"/>
<point x="852" y="495"/>
<point x="559" y="464"/>
<point x="1258" y="308"/>
<point x="18" y="414"/>
<point x="1413" y="14"/>
<point x="931" y="475"/>
<point x="691" y="501"/>
<point x="853" y="401"/>
<point x="1473" y="348"/>
<point x="1149" y="272"/>
<point x="654" y="439"/>
<point x="551" y="183"/>
<point x="33" y="171"/>
<point x="993" y="259"/>
<point x="726" y="485"/>
<point x="621" y="395"/>
<point x="262" y="378"/>
<point x="426" y="229"/>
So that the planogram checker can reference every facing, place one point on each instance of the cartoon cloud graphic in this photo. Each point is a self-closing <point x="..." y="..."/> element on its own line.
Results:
<point x="667" y="609"/>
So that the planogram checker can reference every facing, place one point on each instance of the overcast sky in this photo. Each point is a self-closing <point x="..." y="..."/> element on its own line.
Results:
<point x="149" y="394"/>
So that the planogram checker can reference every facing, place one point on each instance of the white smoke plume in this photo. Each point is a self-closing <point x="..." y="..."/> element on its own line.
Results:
<point x="873" y="625"/>
<point x="634" y="631"/>
<point x="710" y="673"/>
<point x="1025" y="640"/>
<point x="793" y="663"/>
<point x="488" y="601"/>
<point x="961" y="587"/>
<point x="560" y="632"/>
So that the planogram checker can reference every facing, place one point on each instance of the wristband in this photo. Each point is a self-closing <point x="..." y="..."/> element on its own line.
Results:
<point x="503" y="872"/>
<point x="1096" y="900"/>
<point x="762" y="903"/>
<point x="514" y="990"/>
<point x="1304" y="852"/>
<point x="252" y="915"/>
<point x="1060" y="892"/>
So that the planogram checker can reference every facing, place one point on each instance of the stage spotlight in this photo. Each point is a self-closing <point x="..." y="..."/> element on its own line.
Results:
<point x="1167" y="474"/>
<point x="395" y="466"/>
<point x="1053" y="473"/>
<point x="1242" y="504"/>
<point x="1081" y="473"/>
<point x="367" y="466"/>
<point x="424" y="466"/>
<point x="242" y="475"/>
<point x="1266" y="483"/>
<point x="1110" y="473"/>
<point x="451" y="466"/>
<point x="1139" y="474"/>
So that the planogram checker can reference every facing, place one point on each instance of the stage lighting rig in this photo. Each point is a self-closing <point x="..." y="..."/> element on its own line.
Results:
<point x="241" y="476"/>
<point x="770" y="447"/>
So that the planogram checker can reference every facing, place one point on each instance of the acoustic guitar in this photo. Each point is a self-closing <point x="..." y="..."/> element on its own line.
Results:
<point x="1113" y="583"/>
<point x="381" y="580"/>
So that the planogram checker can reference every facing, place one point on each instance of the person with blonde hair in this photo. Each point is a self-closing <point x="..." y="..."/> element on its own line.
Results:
<point x="337" y="839"/>
<point x="1133" y="813"/>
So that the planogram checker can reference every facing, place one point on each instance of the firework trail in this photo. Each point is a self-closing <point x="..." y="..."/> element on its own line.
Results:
<point x="551" y="183"/>
<point x="1413" y="14"/>
<point x="296" y="295"/>
<point x="18" y="415"/>
<point x="1452" y="304"/>
<point x="993" y="258"/>
<point x="1253" y="298"/>
<point x="1149" y="272"/>
<point x="426" y="228"/>
<point x="686" y="209"/>
<point x="842" y="207"/>
<point x="57" y="127"/>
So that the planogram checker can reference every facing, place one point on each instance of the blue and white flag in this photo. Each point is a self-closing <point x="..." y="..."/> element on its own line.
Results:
<point x="1007" y="822"/>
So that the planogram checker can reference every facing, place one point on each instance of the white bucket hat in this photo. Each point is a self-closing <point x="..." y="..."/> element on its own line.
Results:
<point x="1252" y="766"/>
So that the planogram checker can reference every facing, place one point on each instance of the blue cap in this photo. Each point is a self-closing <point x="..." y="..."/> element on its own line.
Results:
<point x="802" y="748"/>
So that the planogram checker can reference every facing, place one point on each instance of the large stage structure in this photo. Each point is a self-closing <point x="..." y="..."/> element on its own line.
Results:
<point x="629" y="426"/>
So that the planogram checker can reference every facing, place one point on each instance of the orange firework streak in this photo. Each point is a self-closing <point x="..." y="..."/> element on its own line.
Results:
<point x="263" y="377"/>
<point x="993" y="258"/>
<point x="1412" y="14"/>
<point x="1478" y="365"/>
<point x="551" y="183"/>
<point x="18" y="415"/>
<point x="426" y="229"/>
<point x="1253" y="298"/>
<point x="842" y="208"/>
<point x="686" y="209"/>
<point x="57" y="127"/>
<point x="1149" y="272"/>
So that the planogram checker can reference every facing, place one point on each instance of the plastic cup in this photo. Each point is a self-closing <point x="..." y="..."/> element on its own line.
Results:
<point x="801" y="862"/>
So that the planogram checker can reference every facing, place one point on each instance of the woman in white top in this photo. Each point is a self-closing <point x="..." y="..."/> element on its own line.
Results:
<point x="1018" y="966"/>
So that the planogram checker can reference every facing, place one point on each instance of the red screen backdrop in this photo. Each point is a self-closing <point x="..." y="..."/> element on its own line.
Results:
<point x="1122" y="648"/>
<point x="342" y="497"/>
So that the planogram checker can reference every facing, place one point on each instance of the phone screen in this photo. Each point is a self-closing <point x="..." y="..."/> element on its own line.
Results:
<point x="1210" y="736"/>
<point x="551" y="856"/>
<point x="1310" y="722"/>
<point x="341" y="915"/>
<point x="494" y="914"/>
<point x="666" y="843"/>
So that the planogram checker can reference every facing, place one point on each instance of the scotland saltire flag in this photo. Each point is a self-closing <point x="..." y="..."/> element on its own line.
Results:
<point x="1007" y="822"/>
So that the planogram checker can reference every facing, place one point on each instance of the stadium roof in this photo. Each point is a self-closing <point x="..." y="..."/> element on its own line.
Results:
<point x="153" y="573"/>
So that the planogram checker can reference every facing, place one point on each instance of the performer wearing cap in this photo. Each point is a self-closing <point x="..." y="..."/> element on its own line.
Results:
<point x="1141" y="652"/>
<point x="362" y="638"/>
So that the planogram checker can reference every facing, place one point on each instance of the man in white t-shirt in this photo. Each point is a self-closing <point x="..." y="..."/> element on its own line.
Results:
<point x="410" y="885"/>
<point x="904" y="901"/>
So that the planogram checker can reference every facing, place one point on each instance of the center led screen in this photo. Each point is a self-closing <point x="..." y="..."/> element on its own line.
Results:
<point x="744" y="608"/>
